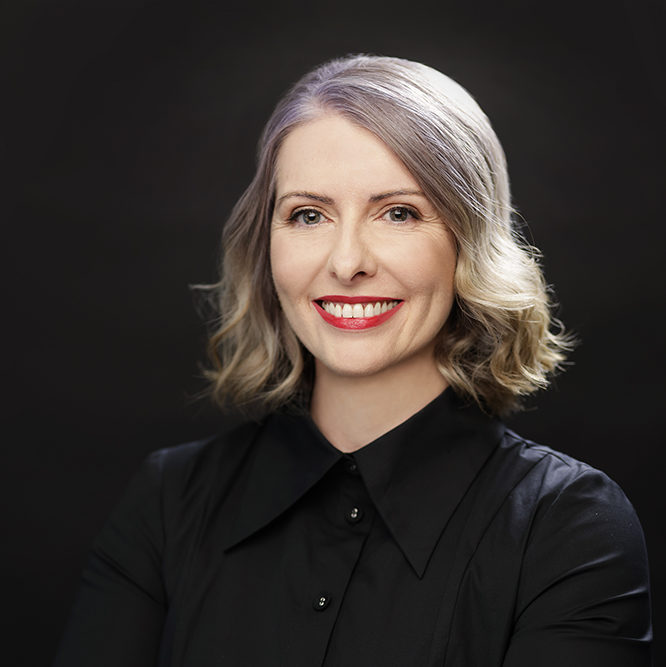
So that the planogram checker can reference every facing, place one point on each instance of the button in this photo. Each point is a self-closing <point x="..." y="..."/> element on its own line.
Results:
<point x="350" y="464"/>
<point x="354" y="515"/>
<point x="322" y="601"/>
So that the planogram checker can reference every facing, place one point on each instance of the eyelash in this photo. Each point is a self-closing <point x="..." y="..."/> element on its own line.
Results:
<point x="295" y="215"/>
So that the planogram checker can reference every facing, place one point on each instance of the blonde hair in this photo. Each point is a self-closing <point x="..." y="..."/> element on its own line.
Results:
<point x="497" y="344"/>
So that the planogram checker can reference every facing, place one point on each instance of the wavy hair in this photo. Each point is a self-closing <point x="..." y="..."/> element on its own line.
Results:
<point x="498" y="343"/>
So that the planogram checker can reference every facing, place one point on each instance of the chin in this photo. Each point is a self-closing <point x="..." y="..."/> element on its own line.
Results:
<point x="355" y="368"/>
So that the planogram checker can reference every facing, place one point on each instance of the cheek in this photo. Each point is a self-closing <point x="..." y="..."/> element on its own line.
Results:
<point x="429" y="267"/>
<point x="279" y="261"/>
<point x="287" y="268"/>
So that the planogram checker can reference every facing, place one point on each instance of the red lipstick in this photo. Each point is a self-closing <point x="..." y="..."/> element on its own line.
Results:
<point x="356" y="323"/>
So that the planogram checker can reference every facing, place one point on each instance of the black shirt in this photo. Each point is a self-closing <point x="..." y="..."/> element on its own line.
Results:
<point x="447" y="541"/>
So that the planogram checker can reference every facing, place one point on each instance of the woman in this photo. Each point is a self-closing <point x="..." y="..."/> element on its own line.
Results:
<point x="377" y="302"/>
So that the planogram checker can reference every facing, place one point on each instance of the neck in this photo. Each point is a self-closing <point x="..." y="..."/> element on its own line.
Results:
<point x="353" y="411"/>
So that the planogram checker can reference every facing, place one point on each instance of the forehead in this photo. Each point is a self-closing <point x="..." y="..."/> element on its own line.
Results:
<point x="331" y="152"/>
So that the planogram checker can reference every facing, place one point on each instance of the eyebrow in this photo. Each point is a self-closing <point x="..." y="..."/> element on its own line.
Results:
<point x="306" y="195"/>
<point x="329" y="200"/>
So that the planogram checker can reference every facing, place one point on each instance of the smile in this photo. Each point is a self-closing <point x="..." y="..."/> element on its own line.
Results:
<point x="356" y="312"/>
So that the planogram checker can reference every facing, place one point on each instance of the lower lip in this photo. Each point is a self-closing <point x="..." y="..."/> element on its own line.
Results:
<point x="357" y="323"/>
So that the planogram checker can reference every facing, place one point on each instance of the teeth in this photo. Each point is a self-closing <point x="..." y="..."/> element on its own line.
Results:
<point x="358" y="309"/>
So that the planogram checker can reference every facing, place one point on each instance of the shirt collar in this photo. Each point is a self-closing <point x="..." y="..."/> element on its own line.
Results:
<point x="416" y="474"/>
<point x="289" y="456"/>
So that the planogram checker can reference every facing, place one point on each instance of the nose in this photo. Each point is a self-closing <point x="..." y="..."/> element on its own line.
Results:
<point x="351" y="255"/>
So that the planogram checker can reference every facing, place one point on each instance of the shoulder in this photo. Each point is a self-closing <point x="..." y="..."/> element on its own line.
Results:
<point x="216" y="456"/>
<point x="582" y="562"/>
<point x="549" y="501"/>
<point x="171" y="495"/>
<point x="583" y="546"/>
<point x="554" y="477"/>
<point x="173" y="485"/>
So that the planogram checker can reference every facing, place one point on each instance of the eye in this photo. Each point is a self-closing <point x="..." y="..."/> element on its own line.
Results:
<point x="402" y="214"/>
<point x="307" y="216"/>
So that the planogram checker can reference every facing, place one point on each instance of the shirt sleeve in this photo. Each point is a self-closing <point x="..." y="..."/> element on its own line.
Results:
<point x="584" y="594"/>
<point x="119" y="612"/>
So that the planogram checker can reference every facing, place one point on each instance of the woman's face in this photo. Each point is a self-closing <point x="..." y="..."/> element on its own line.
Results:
<point x="362" y="263"/>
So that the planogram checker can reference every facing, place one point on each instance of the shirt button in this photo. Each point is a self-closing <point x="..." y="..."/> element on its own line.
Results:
<point x="354" y="515"/>
<point x="321" y="602"/>
<point x="351" y="465"/>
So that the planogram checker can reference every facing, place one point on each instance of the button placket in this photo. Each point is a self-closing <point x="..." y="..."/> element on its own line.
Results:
<point x="353" y="514"/>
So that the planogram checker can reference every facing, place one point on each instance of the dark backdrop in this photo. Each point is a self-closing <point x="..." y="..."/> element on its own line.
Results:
<point x="129" y="131"/>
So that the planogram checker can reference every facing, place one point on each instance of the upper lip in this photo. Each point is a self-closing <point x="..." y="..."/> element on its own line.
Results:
<point x="337" y="298"/>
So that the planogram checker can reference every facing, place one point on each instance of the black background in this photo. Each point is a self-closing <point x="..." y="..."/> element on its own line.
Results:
<point x="129" y="131"/>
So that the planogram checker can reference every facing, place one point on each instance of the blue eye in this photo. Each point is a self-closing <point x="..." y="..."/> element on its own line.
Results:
<point x="402" y="214"/>
<point x="307" y="216"/>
